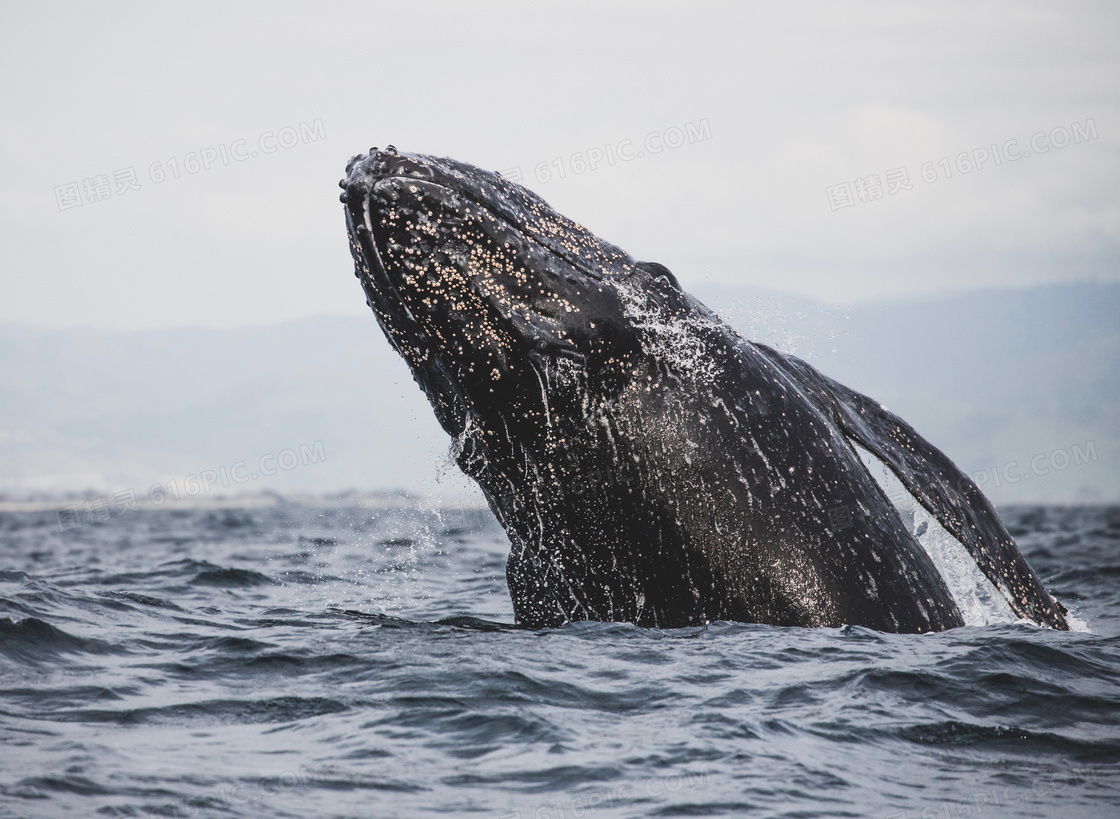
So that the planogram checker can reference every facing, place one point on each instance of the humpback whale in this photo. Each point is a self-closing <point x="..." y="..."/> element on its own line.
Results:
<point x="647" y="462"/>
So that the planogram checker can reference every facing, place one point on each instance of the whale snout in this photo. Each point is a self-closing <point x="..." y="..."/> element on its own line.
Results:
<point x="363" y="170"/>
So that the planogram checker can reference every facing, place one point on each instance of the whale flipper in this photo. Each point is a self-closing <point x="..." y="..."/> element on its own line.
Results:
<point x="937" y="483"/>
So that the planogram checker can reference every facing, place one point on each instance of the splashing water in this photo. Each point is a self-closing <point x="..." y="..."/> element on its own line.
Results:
<point x="980" y="602"/>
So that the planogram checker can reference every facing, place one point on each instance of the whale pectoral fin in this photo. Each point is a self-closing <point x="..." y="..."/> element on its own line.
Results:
<point x="945" y="491"/>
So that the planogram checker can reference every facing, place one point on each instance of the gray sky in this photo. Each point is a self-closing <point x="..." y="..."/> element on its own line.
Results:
<point x="784" y="102"/>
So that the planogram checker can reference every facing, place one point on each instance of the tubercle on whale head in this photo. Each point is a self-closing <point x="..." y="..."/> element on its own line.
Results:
<point x="477" y="281"/>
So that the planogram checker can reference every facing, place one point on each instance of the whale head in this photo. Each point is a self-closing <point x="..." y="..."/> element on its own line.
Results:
<point x="485" y="290"/>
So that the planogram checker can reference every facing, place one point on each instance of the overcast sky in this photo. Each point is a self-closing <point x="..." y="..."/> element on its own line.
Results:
<point x="796" y="113"/>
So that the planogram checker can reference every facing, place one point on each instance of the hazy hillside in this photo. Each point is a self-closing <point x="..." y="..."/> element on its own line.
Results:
<point x="992" y="378"/>
<point x="112" y="411"/>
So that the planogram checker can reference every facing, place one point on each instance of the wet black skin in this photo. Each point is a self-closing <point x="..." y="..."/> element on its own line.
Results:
<point x="648" y="464"/>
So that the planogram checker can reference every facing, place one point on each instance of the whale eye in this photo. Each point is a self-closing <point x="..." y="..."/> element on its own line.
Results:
<point x="659" y="271"/>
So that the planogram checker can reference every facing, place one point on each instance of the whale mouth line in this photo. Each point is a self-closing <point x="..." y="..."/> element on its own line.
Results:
<point x="415" y="347"/>
<point x="384" y="279"/>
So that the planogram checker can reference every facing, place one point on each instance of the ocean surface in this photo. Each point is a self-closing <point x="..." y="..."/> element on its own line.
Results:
<point x="315" y="660"/>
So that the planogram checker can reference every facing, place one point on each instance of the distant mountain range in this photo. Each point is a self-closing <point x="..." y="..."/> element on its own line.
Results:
<point x="1019" y="387"/>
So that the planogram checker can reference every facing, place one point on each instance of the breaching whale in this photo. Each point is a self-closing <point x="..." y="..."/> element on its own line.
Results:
<point x="647" y="462"/>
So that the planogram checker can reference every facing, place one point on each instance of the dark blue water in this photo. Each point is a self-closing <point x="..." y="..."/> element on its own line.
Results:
<point x="309" y="661"/>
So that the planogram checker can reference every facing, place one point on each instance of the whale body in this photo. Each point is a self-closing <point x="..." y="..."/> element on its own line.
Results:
<point x="647" y="462"/>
